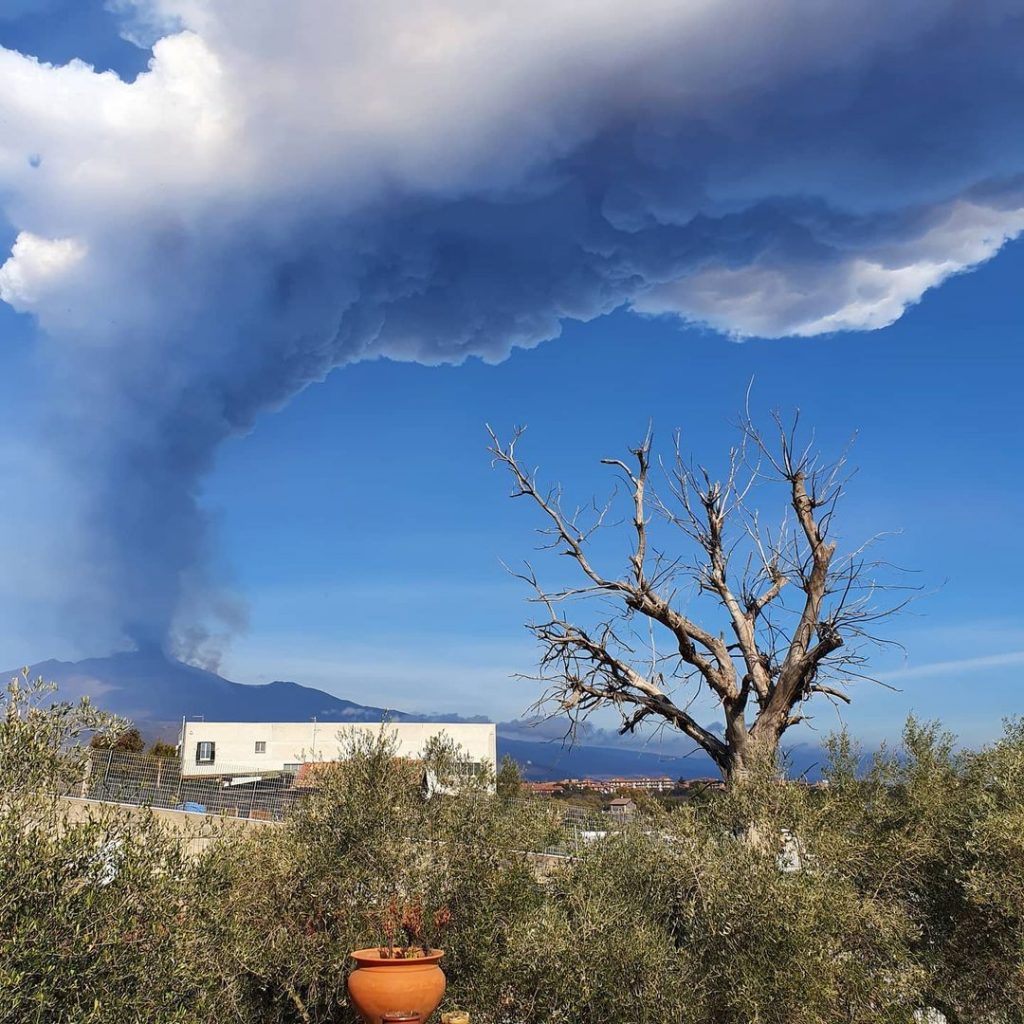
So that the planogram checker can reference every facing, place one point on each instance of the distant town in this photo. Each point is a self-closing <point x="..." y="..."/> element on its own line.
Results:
<point x="620" y="784"/>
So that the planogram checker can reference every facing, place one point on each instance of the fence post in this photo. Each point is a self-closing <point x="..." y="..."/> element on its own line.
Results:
<point x="86" y="774"/>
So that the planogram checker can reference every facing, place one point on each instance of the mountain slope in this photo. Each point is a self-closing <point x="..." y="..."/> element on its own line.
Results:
<point x="544" y="760"/>
<point x="155" y="692"/>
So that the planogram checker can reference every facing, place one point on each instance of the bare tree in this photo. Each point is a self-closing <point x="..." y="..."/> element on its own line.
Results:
<point x="788" y="618"/>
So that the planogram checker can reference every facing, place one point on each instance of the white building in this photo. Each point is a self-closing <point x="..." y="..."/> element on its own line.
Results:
<point x="260" y="748"/>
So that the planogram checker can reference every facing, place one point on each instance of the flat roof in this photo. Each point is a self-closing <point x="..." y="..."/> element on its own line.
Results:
<point x="309" y="721"/>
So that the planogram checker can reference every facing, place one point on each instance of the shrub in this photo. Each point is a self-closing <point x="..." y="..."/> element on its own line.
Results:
<point x="890" y="891"/>
<point x="161" y="748"/>
<point x="296" y="901"/>
<point x="129" y="740"/>
<point x="97" y="909"/>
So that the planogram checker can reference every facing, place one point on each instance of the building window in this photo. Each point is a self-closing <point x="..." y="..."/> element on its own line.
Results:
<point x="261" y="746"/>
<point x="204" y="752"/>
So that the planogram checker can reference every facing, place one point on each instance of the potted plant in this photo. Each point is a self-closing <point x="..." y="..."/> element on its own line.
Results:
<point x="403" y="971"/>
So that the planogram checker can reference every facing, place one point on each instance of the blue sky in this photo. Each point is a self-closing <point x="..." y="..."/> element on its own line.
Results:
<point x="365" y="524"/>
<point x="167" y="454"/>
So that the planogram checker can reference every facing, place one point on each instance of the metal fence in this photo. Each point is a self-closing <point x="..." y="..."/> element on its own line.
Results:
<point x="140" y="780"/>
<point x="117" y="776"/>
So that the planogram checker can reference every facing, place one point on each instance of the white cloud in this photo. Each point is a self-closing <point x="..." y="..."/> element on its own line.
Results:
<point x="866" y="291"/>
<point x="37" y="265"/>
<point x="962" y="667"/>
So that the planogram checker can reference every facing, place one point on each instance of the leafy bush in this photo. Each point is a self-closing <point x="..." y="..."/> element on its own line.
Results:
<point x="40" y="749"/>
<point x="97" y="909"/>
<point x="890" y="891"/>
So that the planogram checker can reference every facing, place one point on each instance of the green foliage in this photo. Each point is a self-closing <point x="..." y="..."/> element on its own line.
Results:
<point x="128" y="740"/>
<point x="509" y="781"/>
<point x="95" y="923"/>
<point x="39" y="737"/>
<point x="896" y="888"/>
<point x="298" y="899"/>
<point x="97" y="910"/>
<point x="161" y="748"/>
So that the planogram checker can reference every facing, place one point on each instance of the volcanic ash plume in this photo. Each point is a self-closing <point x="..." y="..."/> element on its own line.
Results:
<point x="292" y="187"/>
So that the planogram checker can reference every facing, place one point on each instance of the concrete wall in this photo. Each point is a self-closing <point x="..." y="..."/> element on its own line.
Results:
<point x="296" y="742"/>
<point x="196" y="831"/>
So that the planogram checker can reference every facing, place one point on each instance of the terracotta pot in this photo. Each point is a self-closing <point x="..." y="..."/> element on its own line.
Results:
<point x="378" y="985"/>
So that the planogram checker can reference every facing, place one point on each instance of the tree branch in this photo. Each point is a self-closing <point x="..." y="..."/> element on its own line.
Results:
<point x="638" y="595"/>
<point x="618" y="683"/>
<point x="790" y="607"/>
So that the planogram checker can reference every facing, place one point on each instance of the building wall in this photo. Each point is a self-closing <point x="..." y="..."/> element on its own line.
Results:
<point x="291" y="743"/>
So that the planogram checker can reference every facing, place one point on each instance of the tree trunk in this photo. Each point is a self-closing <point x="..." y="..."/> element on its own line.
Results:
<point x="752" y="753"/>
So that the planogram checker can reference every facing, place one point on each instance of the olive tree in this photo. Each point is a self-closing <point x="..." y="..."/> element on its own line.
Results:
<point x="99" y="906"/>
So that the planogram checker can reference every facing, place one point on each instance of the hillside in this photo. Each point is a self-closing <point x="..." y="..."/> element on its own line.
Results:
<point x="154" y="690"/>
